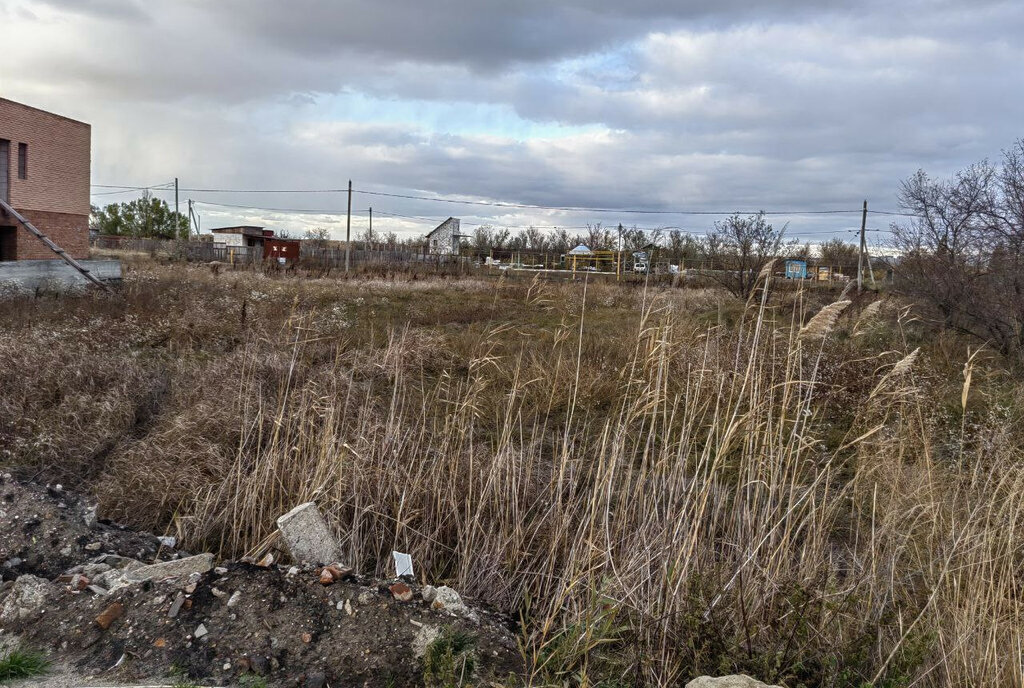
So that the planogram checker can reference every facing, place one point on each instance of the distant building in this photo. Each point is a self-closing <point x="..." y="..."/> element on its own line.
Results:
<point x="44" y="175"/>
<point x="444" y="238"/>
<point x="256" y="242"/>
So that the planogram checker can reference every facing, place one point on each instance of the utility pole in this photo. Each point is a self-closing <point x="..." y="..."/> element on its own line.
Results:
<point x="176" y="213"/>
<point x="348" y="229"/>
<point x="371" y="223"/>
<point x="191" y="218"/>
<point x="860" y="256"/>
<point x="618" y="261"/>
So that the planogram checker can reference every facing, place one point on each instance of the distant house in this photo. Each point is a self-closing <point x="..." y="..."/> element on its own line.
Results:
<point x="256" y="242"/>
<point x="444" y="238"/>
<point x="44" y="176"/>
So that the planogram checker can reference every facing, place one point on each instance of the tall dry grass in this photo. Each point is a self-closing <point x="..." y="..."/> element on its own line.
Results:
<point x="657" y="484"/>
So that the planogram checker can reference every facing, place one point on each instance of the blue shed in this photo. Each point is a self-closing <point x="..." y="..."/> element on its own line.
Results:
<point x="796" y="269"/>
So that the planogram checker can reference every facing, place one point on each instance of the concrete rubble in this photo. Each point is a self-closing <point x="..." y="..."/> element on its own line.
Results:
<point x="734" y="681"/>
<point x="307" y="537"/>
<point x="109" y="614"/>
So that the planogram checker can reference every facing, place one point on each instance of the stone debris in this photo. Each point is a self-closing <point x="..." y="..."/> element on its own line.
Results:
<point x="447" y="599"/>
<point x="734" y="681"/>
<point x="307" y="537"/>
<point x="26" y="596"/>
<point x="90" y="609"/>
<point x="176" y="606"/>
<point x="424" y="637"/>
<point x="200" y="563"/>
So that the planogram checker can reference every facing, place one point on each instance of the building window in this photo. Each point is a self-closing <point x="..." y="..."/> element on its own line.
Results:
<point x="22" y="161"/>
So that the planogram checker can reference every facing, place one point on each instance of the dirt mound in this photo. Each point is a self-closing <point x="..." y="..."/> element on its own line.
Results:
<point x="86" y="607"/>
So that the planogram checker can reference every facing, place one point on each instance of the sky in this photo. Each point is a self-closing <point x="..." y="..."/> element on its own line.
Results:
<point x="657" y="105"/>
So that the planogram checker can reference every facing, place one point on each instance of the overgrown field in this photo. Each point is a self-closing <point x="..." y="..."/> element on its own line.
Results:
<point x="661" y="483"/>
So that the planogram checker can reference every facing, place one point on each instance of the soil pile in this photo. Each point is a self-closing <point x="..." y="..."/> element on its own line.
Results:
<point x="88" y="594"/>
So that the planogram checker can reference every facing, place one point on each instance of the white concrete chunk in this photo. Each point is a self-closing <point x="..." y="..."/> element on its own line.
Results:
<point x="200" y="563"/>
<point x="307" y="536"/>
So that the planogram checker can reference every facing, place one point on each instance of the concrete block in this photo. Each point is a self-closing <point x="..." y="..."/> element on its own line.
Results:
<point x="307" y="536"/>
<point x="178" y="568"/>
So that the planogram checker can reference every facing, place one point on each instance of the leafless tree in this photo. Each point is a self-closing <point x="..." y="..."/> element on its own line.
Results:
<point x="963" y="247"/>
<point x="837" y="252"/>
<point x="738" y="248"/>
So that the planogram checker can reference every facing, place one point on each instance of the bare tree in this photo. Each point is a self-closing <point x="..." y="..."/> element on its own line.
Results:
<point x="738" y="248"/>
<point x="837" y="252"/>
<point x="963" y="249"/>
<point x="317" y="237"/>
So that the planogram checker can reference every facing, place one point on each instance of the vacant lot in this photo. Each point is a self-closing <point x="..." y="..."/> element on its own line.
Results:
<point x="659" y="482"/>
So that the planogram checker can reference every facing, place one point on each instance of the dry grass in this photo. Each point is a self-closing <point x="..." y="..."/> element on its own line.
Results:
<point x="660" y="483"/>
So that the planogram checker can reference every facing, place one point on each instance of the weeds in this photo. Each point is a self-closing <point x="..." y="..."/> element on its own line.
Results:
<point x="449" y="661"/>
<point x="19" y="664"/>
<point x="659" y="483"/>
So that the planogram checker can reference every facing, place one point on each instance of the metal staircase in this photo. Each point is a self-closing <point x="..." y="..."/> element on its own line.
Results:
<point x="5" y="206"/>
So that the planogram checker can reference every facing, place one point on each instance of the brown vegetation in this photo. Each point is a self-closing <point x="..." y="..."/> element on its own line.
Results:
<point x="660" y="483"/>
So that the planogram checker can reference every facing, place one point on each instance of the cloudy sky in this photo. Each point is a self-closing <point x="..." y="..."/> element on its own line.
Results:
<point x="657" y="105"/>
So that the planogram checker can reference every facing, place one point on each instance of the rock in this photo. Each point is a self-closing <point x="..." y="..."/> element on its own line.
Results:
<point x="259" y="664"/>
<point x="734" y="681"/>
<point x="316" y="679"/>
<point x="176" y="606"/>
<point x="235" y="598"/>
<point x="424" y="637"/>
<point x="167" y="541"/>
<point x="307" y="536"/>
<point x="447" y="599"/>
<point x="94" y="569"/>
<point x="109" y="615"/>
<point x="365" y="597"/>
<point x="307" y="638"/>
<point x="24" y="598"/>
<point x="348" y="608"/>
<point x="94" y="546"/>
<point x="401" y="592"/>
<point x="429" y="593"/>
<point x="267" y="561"/>
<point x="200" y="563"/>
<point x="200" y="631"/>
<point x="326" y="577"/>
<point x="89" y="517"/>
<point x="220" y="570"/>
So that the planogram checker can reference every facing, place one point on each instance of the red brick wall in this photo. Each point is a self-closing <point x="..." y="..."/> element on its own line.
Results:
<point x="55" y="196"/>
<point x="70" y="232"/>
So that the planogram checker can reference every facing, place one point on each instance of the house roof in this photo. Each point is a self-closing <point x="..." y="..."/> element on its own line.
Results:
<point x="248" y="230"/>
<point x="440" y="226"/>
<point x="581" y="250"/>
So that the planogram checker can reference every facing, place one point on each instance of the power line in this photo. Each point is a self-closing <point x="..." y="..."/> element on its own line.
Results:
<point x="530" y="206"/>
<point x="625" y="211"/>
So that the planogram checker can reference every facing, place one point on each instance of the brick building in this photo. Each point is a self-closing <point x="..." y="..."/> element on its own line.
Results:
<point x="44" y="175"/>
